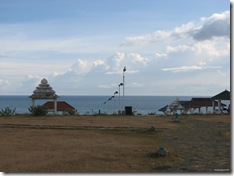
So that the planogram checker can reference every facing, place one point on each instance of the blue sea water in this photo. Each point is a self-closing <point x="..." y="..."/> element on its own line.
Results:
<point x="92" y="104"/>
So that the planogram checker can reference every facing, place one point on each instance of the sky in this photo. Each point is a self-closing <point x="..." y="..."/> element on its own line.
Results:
<point x="81" y="46"/>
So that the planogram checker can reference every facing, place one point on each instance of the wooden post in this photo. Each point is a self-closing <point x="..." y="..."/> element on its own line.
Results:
<point x="219" y="106"/>
<point x="213" y="106"/>
<point x="55" y="106"/>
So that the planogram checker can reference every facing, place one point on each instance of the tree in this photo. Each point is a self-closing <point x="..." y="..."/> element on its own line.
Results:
<point x="37" y="110"/>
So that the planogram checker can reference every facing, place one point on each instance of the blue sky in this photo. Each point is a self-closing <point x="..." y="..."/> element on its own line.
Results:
<point x="81" y="46"/>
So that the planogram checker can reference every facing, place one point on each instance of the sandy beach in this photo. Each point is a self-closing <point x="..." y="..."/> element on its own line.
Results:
<point x="115" y="144"/>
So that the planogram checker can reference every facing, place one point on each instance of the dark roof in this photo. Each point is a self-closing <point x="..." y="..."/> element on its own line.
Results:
<point x="195" y="103"/>
<point x="225" y="95"/>
<point x="184" y="103"/>
<point x="61" y="105"/>
<point x="201" y="102"/>
<point x="163" y="109"/>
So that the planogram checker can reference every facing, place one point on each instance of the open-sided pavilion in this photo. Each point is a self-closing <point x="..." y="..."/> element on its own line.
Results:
<point x="44" y="91"/>
<point x="225" y="95"/>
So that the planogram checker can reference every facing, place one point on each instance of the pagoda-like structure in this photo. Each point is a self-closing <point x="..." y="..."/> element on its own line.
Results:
<point x="44" y="91"/>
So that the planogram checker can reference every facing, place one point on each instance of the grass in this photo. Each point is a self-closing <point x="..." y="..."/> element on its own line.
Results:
<point x="114" y="144"/>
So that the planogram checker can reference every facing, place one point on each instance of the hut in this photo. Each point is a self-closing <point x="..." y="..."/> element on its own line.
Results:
<point x="174" y="106"/>
<point x="44" y="91"/>
<point x="189" y="106"/>
<point x="225" y="95"/>
<point x="198" y="103"/>
<point x="61" y="106"/>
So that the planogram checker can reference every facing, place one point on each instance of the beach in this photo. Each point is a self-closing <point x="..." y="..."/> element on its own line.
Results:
<point x="115" y="144"/>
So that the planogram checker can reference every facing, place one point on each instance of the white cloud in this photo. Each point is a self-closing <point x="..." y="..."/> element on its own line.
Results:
<point x="208" y="51"/>
<point x="135" y="85"/>
<point x="189" y="68"/>
<point x="171" y="49"/>
<point x="182" y="69"/>
<point x="137" y="58"/>
<point x="133" y="61"/>
<point x="82" y="67"/>
<point x="4" y="83"/>
<point x="153" y="37"/>
<point x="212" y="48"/>
<point x="55" y="73"/>
<point x="119" y="58"/>
<point x="217" y="25"/>
<point x="107" y="86"/>
<point x="184" y="31"/>
<point x="160" y="55"/>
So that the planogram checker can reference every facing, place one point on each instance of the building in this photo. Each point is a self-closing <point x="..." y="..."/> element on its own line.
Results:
<point x="225" y="95"/>
<point x="61" y="106"/>
<point x="198" y="103"/>
<point x="190" y="107"/>
<point x="44" y="91"/>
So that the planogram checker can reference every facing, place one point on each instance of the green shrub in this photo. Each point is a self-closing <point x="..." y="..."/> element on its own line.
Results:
<point x="69" y="112"/>
<point x="37" y="110"/>
<point x="7" y="112"/>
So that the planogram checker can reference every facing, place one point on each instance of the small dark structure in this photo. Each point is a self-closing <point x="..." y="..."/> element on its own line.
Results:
<point x="61" y="106"/>
<point x="225" y="95"/>
<point x="128" y="110"/>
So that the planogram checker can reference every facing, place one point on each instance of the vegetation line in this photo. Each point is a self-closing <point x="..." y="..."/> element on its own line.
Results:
<point x="75" y="127"/>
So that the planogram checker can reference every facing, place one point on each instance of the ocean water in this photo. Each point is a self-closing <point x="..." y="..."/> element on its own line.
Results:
<point x="92" y="104"/>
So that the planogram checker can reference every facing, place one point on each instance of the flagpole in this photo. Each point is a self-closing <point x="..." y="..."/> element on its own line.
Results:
<point x="116" y="92"/>
<point x="119" y="99"/>
<point x="123" y="86"/>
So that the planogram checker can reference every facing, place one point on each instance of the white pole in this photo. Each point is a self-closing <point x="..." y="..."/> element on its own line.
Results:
<point x="123" y="89"/>
<point x="114" y="103"/>
<point x="119" y="97"/>
<point x="219" y="105"/>
<point x="213" y="106"/>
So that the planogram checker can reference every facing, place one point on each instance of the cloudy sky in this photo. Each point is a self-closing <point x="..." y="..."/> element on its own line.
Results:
<point x="81" y="46"/>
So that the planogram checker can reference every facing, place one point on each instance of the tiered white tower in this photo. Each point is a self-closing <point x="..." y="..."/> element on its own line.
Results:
<point x="44" y="91"/>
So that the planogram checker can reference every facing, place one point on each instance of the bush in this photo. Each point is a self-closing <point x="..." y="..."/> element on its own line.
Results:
<point x="69" y="112"/>
<point x="37" y="110"/>
<point x="7" y="112"/>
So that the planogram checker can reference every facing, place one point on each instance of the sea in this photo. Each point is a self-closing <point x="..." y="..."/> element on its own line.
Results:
<point x="89" y="105"/>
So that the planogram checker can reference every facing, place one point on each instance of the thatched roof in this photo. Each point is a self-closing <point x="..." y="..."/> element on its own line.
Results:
<point x="225" y="95"/>
<point x="44" y="91"/>
<point x="163" y="109"/>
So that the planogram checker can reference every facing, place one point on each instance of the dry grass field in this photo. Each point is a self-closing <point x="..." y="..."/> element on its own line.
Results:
<point x="115" y="144"/>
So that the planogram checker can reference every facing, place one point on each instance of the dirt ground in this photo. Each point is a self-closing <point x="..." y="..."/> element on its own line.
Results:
<point x="115" y="144"/>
